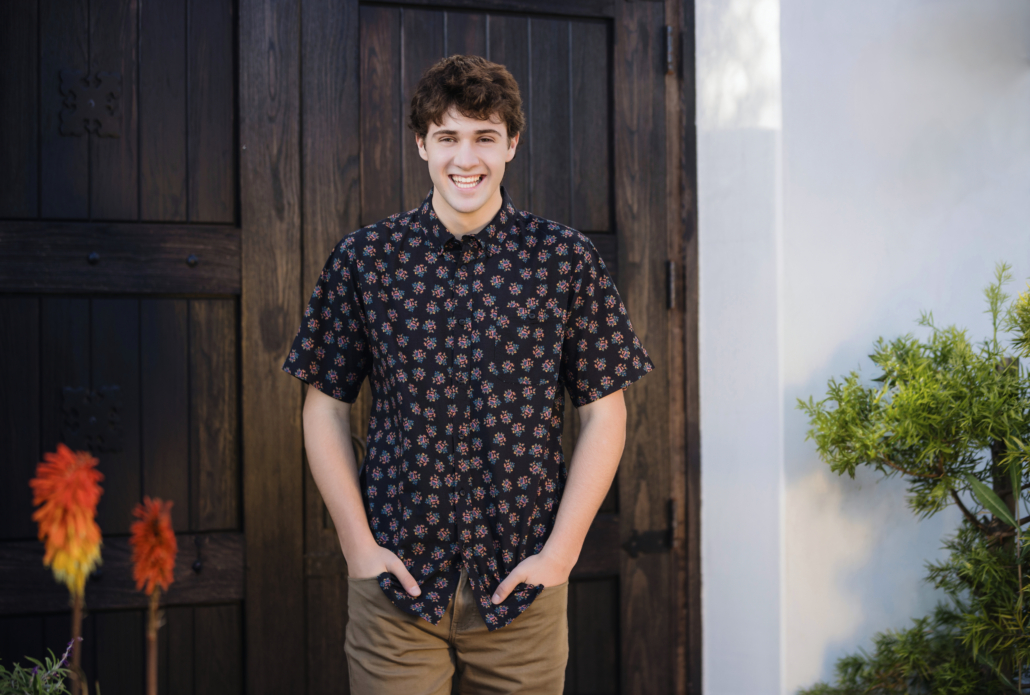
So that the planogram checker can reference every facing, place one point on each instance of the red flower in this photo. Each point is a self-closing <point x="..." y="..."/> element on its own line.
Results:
<point x="153" y="545"/>
<point x="66" y="490"/>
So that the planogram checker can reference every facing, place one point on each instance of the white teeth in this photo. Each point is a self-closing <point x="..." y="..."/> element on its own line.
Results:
<point x="465" y="181"/>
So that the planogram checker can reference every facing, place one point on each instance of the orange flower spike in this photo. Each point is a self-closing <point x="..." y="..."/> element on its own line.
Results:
<point x="66" y="489"/>
<point x="153" y="545"/>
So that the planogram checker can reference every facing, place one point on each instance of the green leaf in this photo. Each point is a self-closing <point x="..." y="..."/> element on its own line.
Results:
<point x="990" y="501"/>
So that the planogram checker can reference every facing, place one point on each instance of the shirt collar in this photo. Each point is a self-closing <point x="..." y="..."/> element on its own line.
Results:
<point x="508" y="221"/>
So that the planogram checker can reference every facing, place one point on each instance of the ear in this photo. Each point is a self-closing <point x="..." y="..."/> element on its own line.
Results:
<point x="511" y="147"/>
<point x="421" y="143"/>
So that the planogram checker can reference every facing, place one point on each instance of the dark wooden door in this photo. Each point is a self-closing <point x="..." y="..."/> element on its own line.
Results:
<point x="155" y="259"/>
<point x="119" y="320"/>
<point x="600" y="103"/>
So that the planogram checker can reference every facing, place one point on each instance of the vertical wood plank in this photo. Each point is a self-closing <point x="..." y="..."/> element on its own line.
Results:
<point x="64" y="359"/>
<point x="687" y="209"/>
<point x="19" y="413"/>
<point x="591" y="129"/>
<point x="214" y="415"/>
<point x="509" y="46"/>
<point x="270" y="310"/>
<point x="218" y="659"/>
<point x="332" y="209"/>
<point x="164" y="404"/>
<point x="647" y="630"/>
<point x="120" y="643"/>
<point x="115" y="353"/>
<point x="175" y="652"/>
<point x="332" y="145"/>
<point x="212" y="161"/>
<point x="421" y="45"/>
<point x="113" y="166"/>
<point x="466" y="34"/>
<point x="19" y="114"/>
<point x="19" y="638"/>
<point x="550" y="164"/>
<point x="381" y="124"/>
<point x="64" y="160"/>
<point x="327" y="672"/>
<point x="594" y="623"/>
<point x="162" y="111"/>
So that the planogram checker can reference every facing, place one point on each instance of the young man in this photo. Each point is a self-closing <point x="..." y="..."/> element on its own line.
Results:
<point x="471" y="319"/>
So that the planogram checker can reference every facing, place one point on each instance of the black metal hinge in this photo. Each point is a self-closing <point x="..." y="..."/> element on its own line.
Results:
<point x="652" y="541"/>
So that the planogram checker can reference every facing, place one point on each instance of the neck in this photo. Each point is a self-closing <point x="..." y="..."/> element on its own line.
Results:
<point x="461" y="223"/>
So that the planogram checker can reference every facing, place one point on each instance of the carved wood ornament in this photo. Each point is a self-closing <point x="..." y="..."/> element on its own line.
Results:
<point x="91" y="103"/>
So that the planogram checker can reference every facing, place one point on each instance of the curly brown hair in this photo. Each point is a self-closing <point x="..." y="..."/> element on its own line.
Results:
<point x="474" y="86"/>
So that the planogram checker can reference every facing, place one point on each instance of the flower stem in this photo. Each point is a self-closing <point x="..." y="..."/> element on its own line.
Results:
<point x="153" y="623"/>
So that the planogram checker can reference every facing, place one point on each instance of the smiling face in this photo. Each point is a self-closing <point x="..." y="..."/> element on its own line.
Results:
<point x="466" y="159"/>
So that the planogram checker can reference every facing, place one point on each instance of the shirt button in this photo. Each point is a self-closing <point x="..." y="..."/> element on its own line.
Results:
<point x="462" y="492"/>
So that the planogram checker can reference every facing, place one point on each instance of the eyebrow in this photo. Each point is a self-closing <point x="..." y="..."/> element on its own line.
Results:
<point x="484" y="131"/>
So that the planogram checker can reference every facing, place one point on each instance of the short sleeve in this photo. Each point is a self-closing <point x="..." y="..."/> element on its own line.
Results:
<point x="331" y="351"/>
<point x="600" y="351"/>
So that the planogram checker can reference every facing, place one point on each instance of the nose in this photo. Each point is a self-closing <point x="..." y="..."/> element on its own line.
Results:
<point x="465" y="157"/>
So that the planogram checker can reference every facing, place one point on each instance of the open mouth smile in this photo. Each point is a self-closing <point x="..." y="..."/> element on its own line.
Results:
<point x="467" y="183"/>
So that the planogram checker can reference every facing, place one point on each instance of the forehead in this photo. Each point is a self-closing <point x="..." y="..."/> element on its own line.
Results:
<point x="453" y="120"/>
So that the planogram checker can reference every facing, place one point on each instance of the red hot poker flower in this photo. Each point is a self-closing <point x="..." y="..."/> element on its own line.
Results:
<point x="66" y="489"/>
<point x="153" y="545"/>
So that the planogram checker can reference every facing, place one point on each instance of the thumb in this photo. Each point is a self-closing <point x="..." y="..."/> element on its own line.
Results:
<point x="507" y="586"/>
<point x="407" y="581"/>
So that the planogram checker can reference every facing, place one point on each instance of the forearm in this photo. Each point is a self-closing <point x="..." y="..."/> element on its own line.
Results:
<point x="327" y="440"/>
<point x="592" y="468"/>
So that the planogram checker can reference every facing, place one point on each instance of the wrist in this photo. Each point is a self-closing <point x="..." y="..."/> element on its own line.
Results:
<point x="562" y="557"/>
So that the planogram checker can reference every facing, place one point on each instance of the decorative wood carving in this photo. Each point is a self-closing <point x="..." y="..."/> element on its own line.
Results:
<point x="91" y="419"/>
<point x="91" y="103"/>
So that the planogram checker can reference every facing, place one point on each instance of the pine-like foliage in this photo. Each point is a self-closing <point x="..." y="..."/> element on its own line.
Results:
<point x="953" y="419"/>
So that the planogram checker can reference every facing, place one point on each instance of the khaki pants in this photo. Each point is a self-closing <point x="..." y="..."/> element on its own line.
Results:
<point x="390" y="651"/>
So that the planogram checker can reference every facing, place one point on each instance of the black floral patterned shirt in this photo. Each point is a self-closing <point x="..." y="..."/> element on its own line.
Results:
<point x="469" y="344"/>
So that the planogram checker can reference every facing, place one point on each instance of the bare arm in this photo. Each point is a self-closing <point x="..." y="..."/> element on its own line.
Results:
<point x="602" y="436"/>
<point x="327" y="439"/>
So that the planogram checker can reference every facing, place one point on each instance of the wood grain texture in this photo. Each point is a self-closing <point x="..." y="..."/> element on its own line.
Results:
<point x="550" y="165"/>
<point x="465" y="33"/>
<point x="64" y="359"/>
<point x="599" y="556"/>
<point x="692" y="400"/>
<point x="584" y="8"/>
<point x="382" y="125"/>
<point x="19" y="413"/>
<point x="332" y="209"/>
<point x="217" y="654"/>
<point x="422" y="44"/>
<point x="162" y="111"/>
<point x="53" y="257"/>
<point x="212" y="155"/>
<point x="175" y="651"/>
<point x="647" y="615"/>
<point x="214" y="456"/>
<point x="27" y="586"/>
<point x="64" y="160"/>
<point x="509" y="45"/>
<point x="165" y="405"/>
<point x="121" y="641"/>
<point x="115" y="361"/>
<point x="593" y="665"/>
<point x="269" y="36"/>
<point x="19" y="114"/>
<point x="590" y="208"/>
<point x="113" y="161"/>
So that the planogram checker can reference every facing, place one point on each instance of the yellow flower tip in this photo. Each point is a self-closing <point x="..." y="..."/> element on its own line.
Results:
<point x="153" y="545"/>
<point x="66" y="491"/>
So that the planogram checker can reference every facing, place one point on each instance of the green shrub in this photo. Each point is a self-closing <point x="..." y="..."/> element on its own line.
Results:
<point x="42" y="679"/>
<point x="953" y="419"/>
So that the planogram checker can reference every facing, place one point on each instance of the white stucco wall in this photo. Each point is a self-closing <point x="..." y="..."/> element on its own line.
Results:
<point x="857" y="163"/>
